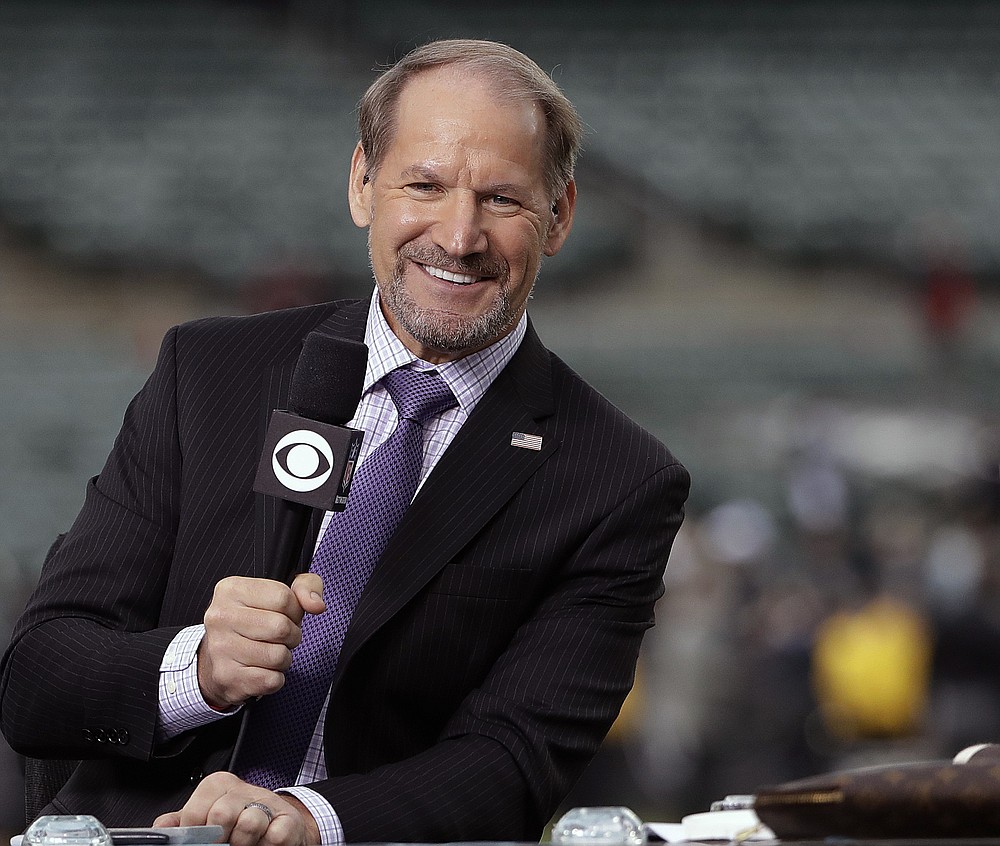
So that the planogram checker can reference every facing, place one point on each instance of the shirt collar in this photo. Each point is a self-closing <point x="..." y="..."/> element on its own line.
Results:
<point x="468" y="377"/>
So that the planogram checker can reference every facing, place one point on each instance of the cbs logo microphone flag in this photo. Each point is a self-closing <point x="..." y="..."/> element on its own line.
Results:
<point x="307" y="461"/>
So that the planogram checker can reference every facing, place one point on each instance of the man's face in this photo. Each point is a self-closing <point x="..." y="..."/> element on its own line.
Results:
<point x="458" y="214"/>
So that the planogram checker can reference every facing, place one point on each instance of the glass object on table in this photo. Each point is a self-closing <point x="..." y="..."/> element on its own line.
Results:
<point x="68" y="830"/>
<point x="599" y="826"/>
<point x="735" y="802"/>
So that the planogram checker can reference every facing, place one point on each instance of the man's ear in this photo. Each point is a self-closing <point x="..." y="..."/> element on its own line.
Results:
<point x="562" y="220"/>
<point x="358" y="193"/>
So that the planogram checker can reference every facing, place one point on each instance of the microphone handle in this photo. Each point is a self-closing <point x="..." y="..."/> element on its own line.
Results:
<point x="289" y="538"/>
<point x="283" y="556"/>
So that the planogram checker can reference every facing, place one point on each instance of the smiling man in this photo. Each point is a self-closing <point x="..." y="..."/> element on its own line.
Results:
<point x="459" y="211"/>
<point x="490" y="640"/>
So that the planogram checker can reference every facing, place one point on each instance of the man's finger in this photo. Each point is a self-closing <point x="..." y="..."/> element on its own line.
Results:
<point x="200" y="804"/>
<point x="308" y="591"/>
<point x="285" y="830"/>
<point x="252" y="823"/>
<point x="264" y="594"/>
<point x="252" y="624"/>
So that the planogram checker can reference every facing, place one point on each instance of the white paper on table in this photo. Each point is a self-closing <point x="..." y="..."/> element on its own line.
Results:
<point x="713" y="825"/>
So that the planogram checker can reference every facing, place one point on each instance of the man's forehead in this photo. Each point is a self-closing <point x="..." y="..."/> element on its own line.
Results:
<point x="442" y="107"/>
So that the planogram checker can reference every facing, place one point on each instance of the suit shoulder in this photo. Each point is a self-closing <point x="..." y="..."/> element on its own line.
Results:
<point x="584" y="415"/>
<point x="281" y="321"/>
<point x="271" y="335"/>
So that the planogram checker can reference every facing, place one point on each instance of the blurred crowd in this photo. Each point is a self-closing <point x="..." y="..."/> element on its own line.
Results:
<point x="854" y="624"/>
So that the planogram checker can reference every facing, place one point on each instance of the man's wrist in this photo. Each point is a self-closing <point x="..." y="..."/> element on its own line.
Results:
<point x="182" y="705"/>
<point x="321" y="816"/>
<point x="312" y="834"/>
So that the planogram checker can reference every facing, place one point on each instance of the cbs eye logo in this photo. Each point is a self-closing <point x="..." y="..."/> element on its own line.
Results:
<point x="302" y="460"/>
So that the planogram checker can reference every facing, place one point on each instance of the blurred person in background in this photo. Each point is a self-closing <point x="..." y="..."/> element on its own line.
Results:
<point x="498" y="635"/>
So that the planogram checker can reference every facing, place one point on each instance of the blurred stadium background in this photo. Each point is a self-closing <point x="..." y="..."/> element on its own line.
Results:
<point x="786" y="264"/>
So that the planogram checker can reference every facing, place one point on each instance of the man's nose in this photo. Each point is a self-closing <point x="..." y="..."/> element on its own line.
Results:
<point x="460" y="231"/>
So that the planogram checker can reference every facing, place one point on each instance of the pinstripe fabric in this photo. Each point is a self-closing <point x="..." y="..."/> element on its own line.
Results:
<point x="487" y="657"/>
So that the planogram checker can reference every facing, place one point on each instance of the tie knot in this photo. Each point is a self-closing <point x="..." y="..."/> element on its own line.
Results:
<point x="418" y="395"/>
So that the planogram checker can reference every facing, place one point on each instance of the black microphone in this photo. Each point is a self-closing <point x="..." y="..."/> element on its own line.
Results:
<point x="309" y="455"/>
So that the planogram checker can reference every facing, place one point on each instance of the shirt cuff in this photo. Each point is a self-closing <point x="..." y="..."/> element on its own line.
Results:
<point x="331" y="832"/>
<point x="181" y="705"/>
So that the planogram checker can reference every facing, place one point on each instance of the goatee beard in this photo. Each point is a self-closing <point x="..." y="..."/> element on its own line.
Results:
<point x="446" y="331"/>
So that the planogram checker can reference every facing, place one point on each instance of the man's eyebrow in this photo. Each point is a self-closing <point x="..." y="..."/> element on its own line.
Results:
<point x="424" y="172"/>
<point x="505" y="188"/>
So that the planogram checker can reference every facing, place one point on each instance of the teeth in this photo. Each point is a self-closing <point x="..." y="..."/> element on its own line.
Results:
<point x="448" y="276"/>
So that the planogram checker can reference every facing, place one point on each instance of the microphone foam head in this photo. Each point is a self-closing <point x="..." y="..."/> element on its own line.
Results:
<point x="328" y="379"/>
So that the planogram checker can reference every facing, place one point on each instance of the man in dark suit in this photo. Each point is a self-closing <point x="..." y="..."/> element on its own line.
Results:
<point x="497" y="636"/>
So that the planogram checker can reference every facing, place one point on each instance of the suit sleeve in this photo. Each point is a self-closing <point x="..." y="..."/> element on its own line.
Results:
<point x="522" y="738"/>
<point x="80" y="675"/>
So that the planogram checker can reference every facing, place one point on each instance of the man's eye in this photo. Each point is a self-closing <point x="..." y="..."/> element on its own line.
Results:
<point x="501" y="201"/>
<point x="423" y="187"/>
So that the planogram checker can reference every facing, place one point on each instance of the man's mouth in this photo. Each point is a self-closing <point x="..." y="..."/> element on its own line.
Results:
<point x="449" y="276"/>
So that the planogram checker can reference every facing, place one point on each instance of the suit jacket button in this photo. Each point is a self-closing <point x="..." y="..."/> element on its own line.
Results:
<point x="123" y="736"/>
<point x="88" y="735"/>
<point x="196" y="776"/>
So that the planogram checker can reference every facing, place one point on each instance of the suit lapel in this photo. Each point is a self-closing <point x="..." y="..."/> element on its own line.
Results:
<point x="475" y="477"/>
<point x="348" y="321"/>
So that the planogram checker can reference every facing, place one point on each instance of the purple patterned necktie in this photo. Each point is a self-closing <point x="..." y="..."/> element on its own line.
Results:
<point x="280" y="725"/>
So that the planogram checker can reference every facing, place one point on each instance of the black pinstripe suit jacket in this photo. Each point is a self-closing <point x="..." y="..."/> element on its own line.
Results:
<point x="488" y="655"/>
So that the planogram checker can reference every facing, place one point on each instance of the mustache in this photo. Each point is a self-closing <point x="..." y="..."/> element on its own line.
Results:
<point x="477" y="265"/>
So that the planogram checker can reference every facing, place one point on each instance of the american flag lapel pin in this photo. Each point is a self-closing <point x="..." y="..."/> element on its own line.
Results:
<point x="526" y="441"/>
